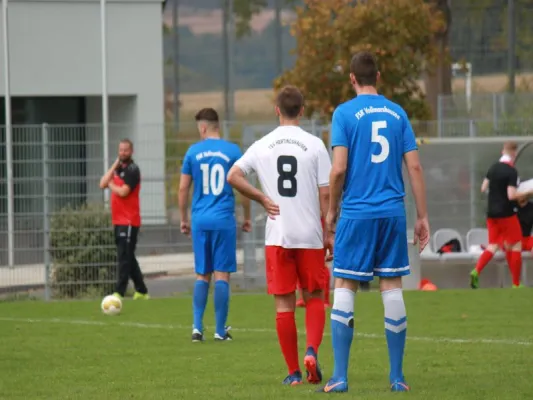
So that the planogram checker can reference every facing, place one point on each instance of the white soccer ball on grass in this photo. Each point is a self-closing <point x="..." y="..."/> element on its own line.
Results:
<point x="111" y="305"/>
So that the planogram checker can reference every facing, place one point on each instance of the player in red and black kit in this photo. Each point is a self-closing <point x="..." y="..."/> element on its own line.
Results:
<point x="502" y="220"/>
<point x="124" y="181"/>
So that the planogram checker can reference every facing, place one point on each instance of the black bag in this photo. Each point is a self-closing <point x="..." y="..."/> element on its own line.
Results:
<point x="451" y="246"/>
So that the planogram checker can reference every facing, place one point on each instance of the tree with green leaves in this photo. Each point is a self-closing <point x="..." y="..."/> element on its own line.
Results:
<point x="328" y="33"/>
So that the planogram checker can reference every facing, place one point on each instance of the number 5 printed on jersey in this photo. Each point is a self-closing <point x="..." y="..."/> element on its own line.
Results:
<point x="212" y="179"/>
<point x="381" y="140"/>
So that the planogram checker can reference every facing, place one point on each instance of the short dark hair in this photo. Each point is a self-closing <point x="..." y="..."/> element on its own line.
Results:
<point x="127" y="141"/>
<point x="290" y="101"/>
<point x="208" y="115"/>
<point x="365" y="68"/>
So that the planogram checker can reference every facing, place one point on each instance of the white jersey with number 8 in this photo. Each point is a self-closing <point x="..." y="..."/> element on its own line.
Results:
<point x="291" y="164"/>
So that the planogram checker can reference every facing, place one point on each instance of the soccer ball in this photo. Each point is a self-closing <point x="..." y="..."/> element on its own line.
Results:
<point x="111" y="305"/>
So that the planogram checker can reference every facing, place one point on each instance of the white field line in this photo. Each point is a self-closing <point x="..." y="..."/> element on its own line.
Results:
<point x="261" y="330"/>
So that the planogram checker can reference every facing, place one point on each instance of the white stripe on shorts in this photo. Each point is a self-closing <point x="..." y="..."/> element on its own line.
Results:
<point x="348" y="272"/>
<point x="392" y="270"/>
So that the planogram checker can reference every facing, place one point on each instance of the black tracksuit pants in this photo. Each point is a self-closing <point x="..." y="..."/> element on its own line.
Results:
<point x="128" y="267"/>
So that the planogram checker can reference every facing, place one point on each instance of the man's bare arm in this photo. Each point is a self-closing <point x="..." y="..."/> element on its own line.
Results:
<point x="183" y="196"/>
<point x="484" y="185"/>
<point x="245" y="201"/>
<point x="237" y="179"/>
<point x="121" y="191"/>
<point x="512" y="193"/>
<point x="418" y="185"/>
<point x="337" y="176"/>
<point x="108" y="176"/>
<point x="323" y="197"/>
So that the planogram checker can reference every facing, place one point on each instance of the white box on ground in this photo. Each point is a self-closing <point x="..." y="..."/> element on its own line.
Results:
<point x="411" y="281"/>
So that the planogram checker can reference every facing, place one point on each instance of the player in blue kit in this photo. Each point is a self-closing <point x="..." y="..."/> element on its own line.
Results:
<point x="371" y="137"/>
<point x="213" y="225"/>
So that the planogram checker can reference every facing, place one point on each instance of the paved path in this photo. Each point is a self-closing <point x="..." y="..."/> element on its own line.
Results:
<point x="180" y="264"/>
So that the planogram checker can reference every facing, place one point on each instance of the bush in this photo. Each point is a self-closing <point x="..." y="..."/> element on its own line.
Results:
<point x="83" y="251"/>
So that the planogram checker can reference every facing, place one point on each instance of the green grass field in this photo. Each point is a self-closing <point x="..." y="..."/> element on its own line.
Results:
<point x="461" y="345"/>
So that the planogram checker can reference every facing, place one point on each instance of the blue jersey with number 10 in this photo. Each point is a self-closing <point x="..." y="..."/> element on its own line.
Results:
<point x="377" y="133"/>
<point x="213" y="202"/>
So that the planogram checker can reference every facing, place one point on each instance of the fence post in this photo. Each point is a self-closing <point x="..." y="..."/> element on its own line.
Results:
<point x="249" y="248"/>
<point x="503" y="103"/>
<point x="248" y="239"/>
<point x="439" y="115"/>
<point x="225" y="129"/>
<point x="495" y="111"/>
<point x="46" y="214"/>
<point x="472" y="170"/>
<point x="411" y="281"/>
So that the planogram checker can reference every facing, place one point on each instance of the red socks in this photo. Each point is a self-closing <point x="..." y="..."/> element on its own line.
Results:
<point x="288" y="339"/>
<point x="514" y="259"/>
<point x="483" y="260"/>
<point x="315" y="319"/>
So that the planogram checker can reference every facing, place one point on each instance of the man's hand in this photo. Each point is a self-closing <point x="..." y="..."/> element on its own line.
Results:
<point x="331" y="222"/>
<point x="421" y="233"/>
<point x="185" y="228"/>
<point x="270" y="207"/>
<point x="108" y="176"/>
<point x="329" y="238"/>
<point x="247" y="225"/>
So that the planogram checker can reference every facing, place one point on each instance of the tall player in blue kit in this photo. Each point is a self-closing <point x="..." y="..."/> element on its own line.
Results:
<point x="212" y="225"/>
<point x="371" y="137"/>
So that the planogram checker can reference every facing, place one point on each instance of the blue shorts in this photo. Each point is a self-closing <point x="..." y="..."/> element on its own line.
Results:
<point x="365" y="248"/>
<point x="214" y="250"/>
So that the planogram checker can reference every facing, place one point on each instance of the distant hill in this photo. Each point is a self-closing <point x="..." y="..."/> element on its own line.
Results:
<point x="209" y="4"/>
<point x="202" y="63"/>
<point x="472" y="38"/>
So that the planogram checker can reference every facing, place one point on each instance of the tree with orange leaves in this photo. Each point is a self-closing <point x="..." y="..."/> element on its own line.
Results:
<point x="328" y="33"/>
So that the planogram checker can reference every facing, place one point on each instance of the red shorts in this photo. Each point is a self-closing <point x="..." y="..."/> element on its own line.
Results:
<point x="285" y="268"/>
<point x="504" y="230"/>
<point x="527" y="243"/>
<point x="327" y="278"/>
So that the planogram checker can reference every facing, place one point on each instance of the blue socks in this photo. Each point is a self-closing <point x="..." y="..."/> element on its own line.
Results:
<point x="199" y="302"/>
<point x="342" y="328"/>
<point x="221" y="306"/>
<point x="395" y="331"/>
<point x="201" y="291"/>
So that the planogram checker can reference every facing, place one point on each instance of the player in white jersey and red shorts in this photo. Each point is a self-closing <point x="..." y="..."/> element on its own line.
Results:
<point x="327" y="282"/>
<point x="293" y="168"/>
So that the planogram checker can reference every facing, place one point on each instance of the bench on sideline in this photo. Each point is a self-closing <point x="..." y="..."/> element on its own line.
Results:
<point x="458" y="265"/>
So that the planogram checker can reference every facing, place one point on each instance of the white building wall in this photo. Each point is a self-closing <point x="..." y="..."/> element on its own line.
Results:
<point x="55" y="50"/>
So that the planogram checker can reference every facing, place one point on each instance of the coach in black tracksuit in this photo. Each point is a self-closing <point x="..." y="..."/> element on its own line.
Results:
<point x="124" y="181"/>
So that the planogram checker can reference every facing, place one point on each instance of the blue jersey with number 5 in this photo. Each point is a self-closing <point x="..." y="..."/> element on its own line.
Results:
<point x="377" y="133"/>
<point x="213" y="202"/>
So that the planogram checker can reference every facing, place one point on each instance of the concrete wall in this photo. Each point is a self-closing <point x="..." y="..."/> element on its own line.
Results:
<point x="149" y="152"/>
<point x="54" y="50"/>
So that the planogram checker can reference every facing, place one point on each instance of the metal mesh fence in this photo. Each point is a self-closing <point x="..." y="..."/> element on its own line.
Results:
<point x="63" y="243"/>
<point x="454" y="170"/>
<point x="62" y="230"/>
<point x="495" y="106"/>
